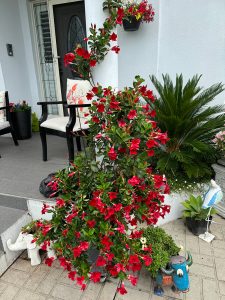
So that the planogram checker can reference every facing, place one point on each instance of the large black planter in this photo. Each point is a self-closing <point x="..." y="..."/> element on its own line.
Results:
<point x="21" y="121"/>
<point x="131" y="24"/>
<point x="197" y="226"/>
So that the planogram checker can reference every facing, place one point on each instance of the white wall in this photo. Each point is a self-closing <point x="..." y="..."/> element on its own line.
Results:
<point x="139" y="50"/>
<point x="192" y="40"/>
<point x="14" y="69"/>
<point x="187" y="36"/>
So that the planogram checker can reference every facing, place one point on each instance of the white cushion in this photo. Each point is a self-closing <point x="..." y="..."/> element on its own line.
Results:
<point x="2" y="104"/>
<point x="76" y="94"/>
<point x="4" y="124"/>
<point x="61" y="122"/>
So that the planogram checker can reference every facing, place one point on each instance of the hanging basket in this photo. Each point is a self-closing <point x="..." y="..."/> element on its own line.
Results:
<point x="131" y="24"/>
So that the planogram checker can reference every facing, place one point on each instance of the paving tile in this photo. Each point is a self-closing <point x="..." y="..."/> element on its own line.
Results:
<point x="23" y="265"/>
<point x="201" y="270"/>
<point x="220" y="268"/>
<point x="16" y="277"/>
<point x="27" y="295"/>
<point x="192" y="243"/>
<point x="144" y="281"/>
<point x="222" y="287"/>
<point x="132" y="295"/>
<point x="3" y="286"/>
<point x="9" y="292"/>
<point x="205" y="248"/>
<point x="210" y="290"/>
<point x="35" y="279"/>
<point x="108" y="291"/>
<point x="66" y="292"/>
<point x="195" y="288"/>
<point x="49" y="281"/>
<point x="218" y="244"/>
<point x="220" y="253"/>
<point x="169" y="293"/>
<point x="202" y="259"/>
<point x="65" y="280"/>
<point x="217" y="230"/>
<point x="92" y="291"/>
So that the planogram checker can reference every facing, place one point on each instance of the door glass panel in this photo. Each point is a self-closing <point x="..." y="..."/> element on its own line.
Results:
<point x="76" y="34"/>
<point x="42" y="30"/>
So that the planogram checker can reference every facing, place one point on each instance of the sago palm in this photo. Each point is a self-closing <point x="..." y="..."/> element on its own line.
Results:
<point x="186" y="113"/>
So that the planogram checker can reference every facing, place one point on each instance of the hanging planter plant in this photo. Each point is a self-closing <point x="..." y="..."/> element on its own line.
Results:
<point x="131" y="24"/>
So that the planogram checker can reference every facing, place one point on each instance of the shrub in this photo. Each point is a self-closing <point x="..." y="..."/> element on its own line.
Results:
<point x="186" y="113"/>
<point x="163" y="247"/>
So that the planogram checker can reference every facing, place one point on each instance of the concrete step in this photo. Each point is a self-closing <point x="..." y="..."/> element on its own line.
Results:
<point x="13" y="202"/>
<point x="11" y="222"/>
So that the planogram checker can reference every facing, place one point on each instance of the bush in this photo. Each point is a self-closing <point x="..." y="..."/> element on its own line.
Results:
<point x="163" y="247"/>
<point x="186" y="113"/>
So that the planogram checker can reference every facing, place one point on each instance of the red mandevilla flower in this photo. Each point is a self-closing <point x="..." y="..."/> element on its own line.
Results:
<point x="116" y="49"/>
<point x="132" y="114"/>
<point x="68" y="58"/>
<point x="112" y="154"/>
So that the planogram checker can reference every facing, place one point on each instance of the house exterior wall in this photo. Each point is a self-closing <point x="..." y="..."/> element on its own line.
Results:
<point x="14" y="72"/>
<point x="186" y="37"/>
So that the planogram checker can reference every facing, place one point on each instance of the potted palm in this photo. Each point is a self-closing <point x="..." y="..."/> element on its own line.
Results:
<point x="196" y="216"/>
<point x="21" y="119"/>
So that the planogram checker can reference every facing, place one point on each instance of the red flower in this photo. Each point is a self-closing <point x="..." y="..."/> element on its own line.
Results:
<point x="116" y="49"/>
<point x="132" y="279"/>
<point x="100" y="108"/>
<point x="95" y="119"/>
<point x="110" y="256"/>
<point x="134" y="146"/>
<point x="71" y="275"/>
<point x="112" y="154"/>
<point x="151" y="153"/>
<point x="68" y="58"/>
<point x="132" y="114"/>
<point x="92" y="63"/>
<point x="113" y="37"/>
<point x="84" y="246"/>
<point x="106" y="242"/>
<point x="49" y="261"/>
<point x="80" y="280"/>
<point x="77" y="251"/>
<point x="112" y="195"/>
<point x="162" y="137"/>
<point x="45" y="208"/>
<point x="122" y="289"/>
<point x="151" y="143"/>
<point x="83" y="53"/>
<point x="147" y="260"/>
<point x="115" y="105"/>
<point x="89" y="96"/>
<point x="101" y="262"/>
<point x="121" y="123"/>
<point x="134" y="181"/>
<point x="91" y="223"/>
<point x="95" y="276"/>
<point x="95" y="90"/>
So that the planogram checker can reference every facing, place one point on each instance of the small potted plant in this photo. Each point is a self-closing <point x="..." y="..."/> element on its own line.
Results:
<point x="134" y="13"/>
<point x="195" y="215"/>
<point x="21" y="119"/>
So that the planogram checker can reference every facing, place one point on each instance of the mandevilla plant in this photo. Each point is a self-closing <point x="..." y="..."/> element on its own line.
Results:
<point x="99" y="40"/>
<point x="102" y="200"/>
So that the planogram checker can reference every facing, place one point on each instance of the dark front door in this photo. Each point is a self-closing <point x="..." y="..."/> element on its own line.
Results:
<point x="70" y="28"/>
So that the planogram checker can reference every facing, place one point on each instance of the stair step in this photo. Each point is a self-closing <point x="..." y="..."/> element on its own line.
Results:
<point x="13" y="202"/>
<point x="8" y="216"/>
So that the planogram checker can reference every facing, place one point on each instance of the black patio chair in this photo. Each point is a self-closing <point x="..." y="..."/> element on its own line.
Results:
<point x="5" y="117"/>
<point x="66" y="126"/>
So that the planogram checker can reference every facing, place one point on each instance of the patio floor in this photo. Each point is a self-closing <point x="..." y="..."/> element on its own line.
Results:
<point x="207" y="275"/>
<point x="22" y="168"/>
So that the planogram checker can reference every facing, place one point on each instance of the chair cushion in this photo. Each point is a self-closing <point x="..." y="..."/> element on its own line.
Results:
<point x="4" y="124"/>
<point x="76" y="94"/>
<point x="2" y="103"/>
<point x="61" y="122"/>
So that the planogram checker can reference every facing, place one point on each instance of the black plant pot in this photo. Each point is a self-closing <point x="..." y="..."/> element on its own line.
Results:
<point x="197" y="226"/>
<point x="21" y="121"/>
<point x="131" y="24"/>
